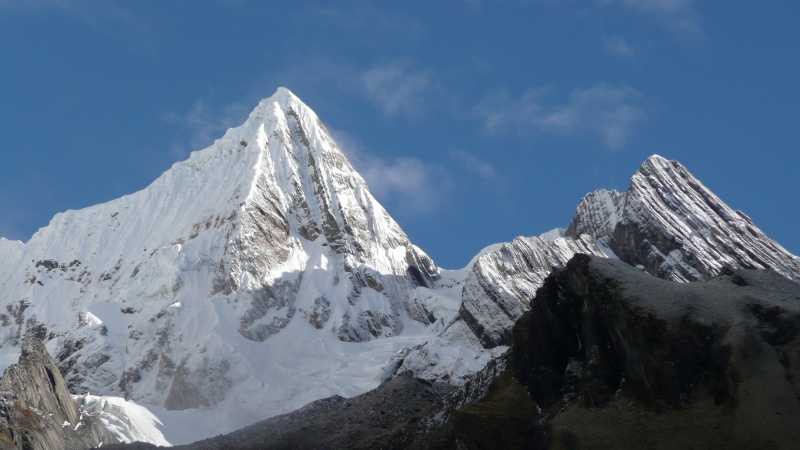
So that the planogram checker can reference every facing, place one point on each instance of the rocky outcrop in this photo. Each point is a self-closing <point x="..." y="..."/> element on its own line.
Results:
<point x="617" y="358"/>
<point x="36" y="410"/>
<point x="501" y="283"/>
<point x="674" y="226"/>
<point x="597" y="214"/>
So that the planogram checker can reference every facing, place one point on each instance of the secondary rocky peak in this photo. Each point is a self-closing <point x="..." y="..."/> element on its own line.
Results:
<point x="669" y="222"/>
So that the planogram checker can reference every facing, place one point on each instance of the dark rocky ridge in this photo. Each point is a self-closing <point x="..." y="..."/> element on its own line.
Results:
<point x="402" y="413"/>
<point x="617" y="358"/>
<point x="36" y="410"/>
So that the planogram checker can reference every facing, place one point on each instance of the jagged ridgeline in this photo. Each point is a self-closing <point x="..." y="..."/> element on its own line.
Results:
<point x="260" y="275"/>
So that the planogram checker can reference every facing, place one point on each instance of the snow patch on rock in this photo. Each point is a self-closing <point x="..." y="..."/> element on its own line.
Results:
<point x="126" y="420"/>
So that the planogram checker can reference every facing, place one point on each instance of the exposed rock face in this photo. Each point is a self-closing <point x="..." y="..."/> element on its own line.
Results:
<point x="598" y="214"/>
<point x="674" y="226"/>
<point x="620" y="359"/>
<point x="36" y="410"/>
<point x="501" y="284"/>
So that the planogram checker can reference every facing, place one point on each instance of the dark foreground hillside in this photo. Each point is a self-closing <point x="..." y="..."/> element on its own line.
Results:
<point x="620" y="359"/>
<point x="609" y="357"/>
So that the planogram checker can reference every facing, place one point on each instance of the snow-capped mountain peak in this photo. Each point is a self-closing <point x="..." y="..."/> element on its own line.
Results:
<point x="206" y="285"/>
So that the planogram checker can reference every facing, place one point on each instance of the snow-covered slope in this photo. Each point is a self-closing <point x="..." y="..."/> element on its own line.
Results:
<point x="260" y="274"/>
<point x="675" y="227"/>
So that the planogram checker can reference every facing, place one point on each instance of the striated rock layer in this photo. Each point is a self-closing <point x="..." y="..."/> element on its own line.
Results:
<point x="674" y="226"/>
<point x="36" y="410"/>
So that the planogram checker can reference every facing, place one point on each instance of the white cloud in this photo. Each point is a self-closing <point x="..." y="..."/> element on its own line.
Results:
<point x="610" y="113"/>
<point x="396" y="88"/>
<point x="678" y="15"/>
<point x="10" y="230"/>
<point x="483" y="169"/>
<point x="201" y="124"/>
<point x="619" y="47"/>
<point x="366" y="16"/>
<point x="109" y="13"/>
<point x="15" y="213"/>
<point x="405" y="185"/>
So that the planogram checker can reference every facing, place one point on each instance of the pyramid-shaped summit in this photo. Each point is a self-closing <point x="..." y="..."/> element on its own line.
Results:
<point x="260" y="263"/>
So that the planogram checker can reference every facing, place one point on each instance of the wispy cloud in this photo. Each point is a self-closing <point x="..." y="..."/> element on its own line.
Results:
<point x="610" y="113"/>
<point x="618" y="47"/>
<point x="405" y="185"/>
<point x="110" y="14"/>
<point x="366" y="16"/>
<point x="201" y="124"/>
<point x="679" y="16"/>
<point x="11" y="231"/>
<point x="396" y="88"/>
<point x="477" y="166"/>
<point x="15" y="216"/>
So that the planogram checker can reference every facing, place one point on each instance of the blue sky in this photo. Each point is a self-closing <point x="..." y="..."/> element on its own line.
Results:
<point x="473" y="121"/>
